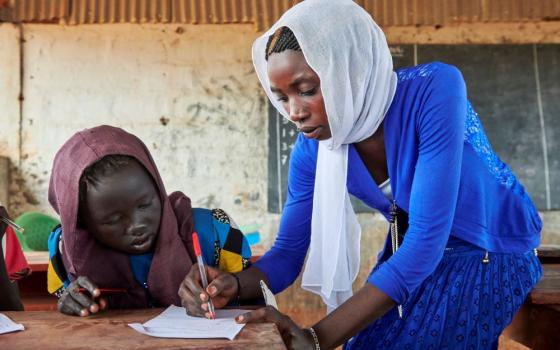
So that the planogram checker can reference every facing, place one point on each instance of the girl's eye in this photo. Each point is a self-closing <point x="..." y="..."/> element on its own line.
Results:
<point x="112" y="221"/>
<point x="282" y="99"/>
<point x="145" y="205"/>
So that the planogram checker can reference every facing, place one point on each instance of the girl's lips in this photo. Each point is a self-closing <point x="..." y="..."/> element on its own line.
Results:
<point x="142" y="241"/>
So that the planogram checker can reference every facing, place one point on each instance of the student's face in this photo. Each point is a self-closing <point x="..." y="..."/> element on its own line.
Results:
<point x="124" y="210"/>
<point x="298" y="88"/>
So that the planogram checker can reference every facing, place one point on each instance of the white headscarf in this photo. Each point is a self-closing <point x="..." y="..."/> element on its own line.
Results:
<point x="349" y="53"/>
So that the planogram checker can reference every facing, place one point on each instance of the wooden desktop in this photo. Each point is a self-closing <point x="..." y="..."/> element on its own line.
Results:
<point x="110" y="330"/>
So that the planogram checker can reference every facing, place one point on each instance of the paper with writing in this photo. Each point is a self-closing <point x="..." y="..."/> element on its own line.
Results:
<point x="175" y="323"/>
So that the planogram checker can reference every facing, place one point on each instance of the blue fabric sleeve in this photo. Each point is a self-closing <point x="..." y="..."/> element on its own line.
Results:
<point x="207" y="235"/>
<point x="56" y="264"/>
<point x="283" y="262"/>
<point x="54" y="238"/>
<point x="435" y="187"/>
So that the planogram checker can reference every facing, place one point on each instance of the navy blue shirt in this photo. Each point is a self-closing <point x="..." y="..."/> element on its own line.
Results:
<point x="443" y="172"/>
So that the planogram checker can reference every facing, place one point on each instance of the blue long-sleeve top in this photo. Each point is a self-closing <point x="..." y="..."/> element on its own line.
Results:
<point x="443" y="173"/>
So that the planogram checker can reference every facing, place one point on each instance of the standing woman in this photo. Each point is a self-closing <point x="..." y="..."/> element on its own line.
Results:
<point x="459" y="259"/>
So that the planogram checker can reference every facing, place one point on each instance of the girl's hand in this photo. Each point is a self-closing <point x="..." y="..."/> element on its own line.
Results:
<point x="73" y="302"/>
<point x="293" y="336"/>
<point x="222" y="287"/>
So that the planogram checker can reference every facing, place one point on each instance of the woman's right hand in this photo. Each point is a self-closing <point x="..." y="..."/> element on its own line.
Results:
<point x="73" y="302"/>
<point x="222" y="287"/>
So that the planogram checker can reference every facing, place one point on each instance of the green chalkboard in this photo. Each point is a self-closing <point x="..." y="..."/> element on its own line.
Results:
<point x="514" y="88"/>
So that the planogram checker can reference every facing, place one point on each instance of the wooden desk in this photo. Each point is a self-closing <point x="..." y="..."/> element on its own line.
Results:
<point x="536" y="324"/>
<point x="33" y="288"/>
<point x="547" y="291"/>
<point x="38" y="261"/>
<point x="549" y="254"/>
<point x="52" y="330"/>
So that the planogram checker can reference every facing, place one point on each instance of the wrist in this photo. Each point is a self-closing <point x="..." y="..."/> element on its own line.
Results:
<point x="312" y="335"/>
<point x="237" y="297"/>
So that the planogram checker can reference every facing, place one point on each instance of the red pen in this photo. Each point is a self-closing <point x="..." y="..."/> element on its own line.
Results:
<point x="104" y="290"/>
<point x="202" y="271"/>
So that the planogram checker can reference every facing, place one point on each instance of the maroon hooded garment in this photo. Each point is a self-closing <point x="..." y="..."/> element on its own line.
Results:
<point x="84" y="256"/>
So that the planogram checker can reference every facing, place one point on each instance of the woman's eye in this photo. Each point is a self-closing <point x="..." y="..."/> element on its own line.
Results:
<point x="282" y="99"/>
<point x="309" y="92"/>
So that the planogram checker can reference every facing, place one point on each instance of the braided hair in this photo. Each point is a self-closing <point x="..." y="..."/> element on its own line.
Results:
<point x="91" y="176"/>
<point x="283" y="39"/>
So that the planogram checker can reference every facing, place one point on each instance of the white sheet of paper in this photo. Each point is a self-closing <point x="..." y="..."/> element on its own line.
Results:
<point x="175" y="323"/>
<point x="7" y="325"/>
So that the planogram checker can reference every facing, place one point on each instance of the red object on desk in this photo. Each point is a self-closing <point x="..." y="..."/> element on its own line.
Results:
<point x="16" y="264"/>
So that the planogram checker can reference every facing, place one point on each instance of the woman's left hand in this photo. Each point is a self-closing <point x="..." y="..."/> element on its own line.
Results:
<point x="293" y="336"/>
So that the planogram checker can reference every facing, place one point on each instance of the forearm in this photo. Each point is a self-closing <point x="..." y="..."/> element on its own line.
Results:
<point x="367" y="305"/>
<point x="10" y="295"/>
<point x="249" y="283"/>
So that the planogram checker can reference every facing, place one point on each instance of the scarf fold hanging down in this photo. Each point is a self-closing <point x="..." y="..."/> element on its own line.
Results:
<point x="350" y="55"/>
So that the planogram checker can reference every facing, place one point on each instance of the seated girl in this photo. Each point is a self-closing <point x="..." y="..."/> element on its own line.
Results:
<point x="13" y="266"/>
<point x="123" y="242"/>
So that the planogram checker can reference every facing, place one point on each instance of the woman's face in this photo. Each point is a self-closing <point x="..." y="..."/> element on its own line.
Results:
<point x="124" y="210"/>
<point x="298" y="88"/>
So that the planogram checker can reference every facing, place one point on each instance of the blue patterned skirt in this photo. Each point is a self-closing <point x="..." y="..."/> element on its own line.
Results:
<point x="464" y="304"/>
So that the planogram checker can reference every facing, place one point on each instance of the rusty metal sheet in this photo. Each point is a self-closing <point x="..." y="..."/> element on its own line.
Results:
<point x="263" y="13"/>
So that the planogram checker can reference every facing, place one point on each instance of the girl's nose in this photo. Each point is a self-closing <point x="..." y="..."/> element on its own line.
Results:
<point x="136" y="229"/>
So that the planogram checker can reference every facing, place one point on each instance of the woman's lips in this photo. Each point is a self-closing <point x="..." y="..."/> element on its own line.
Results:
<point x="311" y="132"/>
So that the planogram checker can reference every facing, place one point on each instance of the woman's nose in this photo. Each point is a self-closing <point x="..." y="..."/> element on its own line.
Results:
<point x="296" y="111"/>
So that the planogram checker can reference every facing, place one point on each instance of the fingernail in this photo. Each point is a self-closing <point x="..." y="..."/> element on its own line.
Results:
<point x="212" y="290"/>
<point x="239" y="318"/>
<point x="204" y="306"/>
<point x="96" y="292"/>
<point x="94" y="308"/>
<point x="202" y="296"/>
<point x="84" y="312"/>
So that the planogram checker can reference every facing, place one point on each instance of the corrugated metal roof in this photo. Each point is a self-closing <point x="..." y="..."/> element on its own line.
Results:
<point x="117" y="11"/>
<point x="42" y="11"/>
<point x="263" y="13"/>
<point x="213" y="11"/>
<point x="436" y="12"/>
<point x="442" y="12"/>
